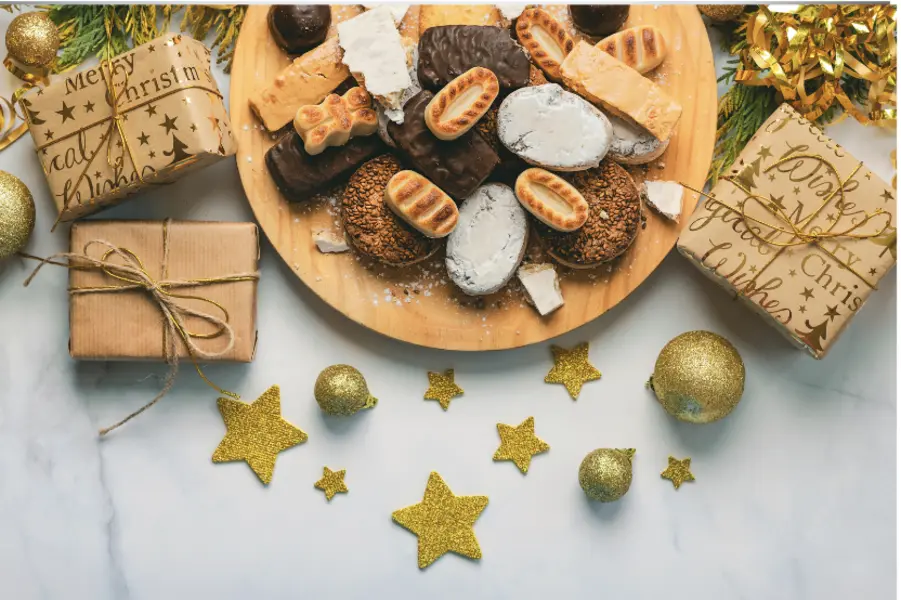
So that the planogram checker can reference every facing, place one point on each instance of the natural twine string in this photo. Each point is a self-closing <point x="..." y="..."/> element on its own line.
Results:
<point x="131" y="271"/>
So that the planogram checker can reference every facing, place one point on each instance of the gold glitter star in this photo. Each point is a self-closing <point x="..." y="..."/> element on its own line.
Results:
<point x="764" y="152"/>
<point x="831" y="312"/>
<point x="443" y="522"/>
<point x="442" y="388"/>
<point x="792" y="273"/>
<point x="150" y="110"/>
<point x="48" y="134"/>
<point x="886" y="196"/>
<point x="807" y="293"/>
<point x="802" y="309"/>
<point x="796" y="191"/>
<point x="830" y="216"/>
<point x="772" y="177"/>
<point x="66" y="112"/>
<point x="872" y="271"/>
<point x="572" y="369"/>
<point x="332" y="483"/>
<point x="256" y="433"/>
<point x="519" y="444"/>
<point x="169" y="123"/>
<point x="89" y="106"/>
<point x="777" y="202"/>
<point x="144" y="139"/>
<point x="752" y="269"/>
<point x="678" y="471"/>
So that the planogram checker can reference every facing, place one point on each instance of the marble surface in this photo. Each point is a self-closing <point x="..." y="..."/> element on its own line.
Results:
<point x="795" y="494"/>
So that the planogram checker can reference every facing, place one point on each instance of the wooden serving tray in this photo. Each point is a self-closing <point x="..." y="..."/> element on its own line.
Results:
<point x="419" y="304"/>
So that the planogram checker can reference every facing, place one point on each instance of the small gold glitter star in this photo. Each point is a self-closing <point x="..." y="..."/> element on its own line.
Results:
<point x="832" y="312"/>
<point x="150" y="110"/>
<point x="678" y="471"/>
<point x="886" y="196"/>
<point x="89" y="106"/>
<point x="752" y="268"/>
<point x="519" y="444"/>
<point x="442" y="388"/>
<point x="807" y="293"/>
<point x="152" y="154"/>
<point x="144" y="139"/>
<point x="802" y="309"/>
<point x="777" y="202"/>
<point x="48" y="134"/>
<point x="572" y="369"/>
<point x="796" y="191"/>
<point x="792" y="273"/>
<point x="66" y="112"/>
<point x="830" y="216"/>
<point x="872" y="271"/>
<point x="764" y="152"/>
<point x="332" y="483"/>
<point x="150" y="48"/>
<point x="772" y="177"/>
<point x="256" y="433"/>
<point x="443" y="522"/>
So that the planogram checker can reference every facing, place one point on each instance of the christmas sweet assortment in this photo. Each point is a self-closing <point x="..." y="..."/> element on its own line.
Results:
<point x="479" y="131"/>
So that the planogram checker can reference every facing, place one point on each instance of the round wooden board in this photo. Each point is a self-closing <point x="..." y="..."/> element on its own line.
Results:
<point x="419" y="304"/>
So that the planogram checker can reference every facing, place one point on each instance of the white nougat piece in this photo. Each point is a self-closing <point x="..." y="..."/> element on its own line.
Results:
<point x="398" y="11"/>
<point x="542" y="286"/>
<point x="375" y="55"/>
<point x="665" y="197"/>
<point x="329" y="242"/>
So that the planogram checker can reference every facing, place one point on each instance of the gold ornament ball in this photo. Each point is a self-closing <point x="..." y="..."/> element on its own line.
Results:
<point x="699" y="377"/>
<point x="721" y="13"/>
<point x="606" y="474"/>
<point x="341" y="390"/>
<point x="32" y="39"/>
<point x="16" y="214"/>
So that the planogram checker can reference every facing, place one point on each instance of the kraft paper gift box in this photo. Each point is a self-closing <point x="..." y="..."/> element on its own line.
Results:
<point x="145" y="117"/>
<point x="800" y="230"/>
<point x="220" y="258"/>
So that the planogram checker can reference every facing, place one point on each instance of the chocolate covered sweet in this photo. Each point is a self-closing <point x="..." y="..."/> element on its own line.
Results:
<point x="371" y="226"/>
<point x="456" y="166"/>
<point x="447" y="52"/>
<point x="297" y="28"/>
<point x="598" y="19"/>
<point x="298" y="175"/>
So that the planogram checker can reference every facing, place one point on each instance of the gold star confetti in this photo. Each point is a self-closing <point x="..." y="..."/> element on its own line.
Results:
<point x="442" y="388"/>
<point x="519" y="444"/>
<point x="872" y="271"/>
<point x="572" y="369"/>
<point x="792" y="273"/>
<point x="764" y="152"/>
<point x="832" y="312"/>
<point x="256" y="433"/>
<point x="443" y="522"/>
<point x="886" y="196"/>
<point x="332" y="483"/>
<point x="678" y="471"/>
<point x="778" y="202"/>
<point x="802" y="309"/>
<point x="807" y="293"/>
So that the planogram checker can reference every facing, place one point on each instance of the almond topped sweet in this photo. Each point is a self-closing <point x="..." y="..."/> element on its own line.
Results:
<point x="335" y="120"/>
<point x="461" y="103"/>
<point x="421" y="203"/>
<point x="545" y="39"/>
<point x="551" y="200"/>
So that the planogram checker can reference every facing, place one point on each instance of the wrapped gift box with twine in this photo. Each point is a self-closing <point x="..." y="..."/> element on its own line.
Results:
<point x="145" y="117"/>
<point x="800" y="230"/>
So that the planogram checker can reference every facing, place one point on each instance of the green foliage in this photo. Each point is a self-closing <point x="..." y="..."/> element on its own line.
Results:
<point x="108" y="30"/>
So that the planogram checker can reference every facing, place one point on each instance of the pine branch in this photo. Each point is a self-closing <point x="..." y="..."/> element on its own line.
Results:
<point x="106" y="31"/>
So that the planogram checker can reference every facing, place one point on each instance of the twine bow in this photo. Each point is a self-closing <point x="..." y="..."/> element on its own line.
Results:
<point x="802" y="232"/>
<point x="131" y="271"/>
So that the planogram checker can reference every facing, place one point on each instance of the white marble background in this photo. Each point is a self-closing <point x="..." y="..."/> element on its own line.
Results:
<point x="794" y="499"/>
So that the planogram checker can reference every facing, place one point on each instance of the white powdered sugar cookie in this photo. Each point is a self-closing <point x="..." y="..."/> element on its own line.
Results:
<point x="489" y="241"/>
<point x="633" y="145"/>
<point x="552" y="128"/>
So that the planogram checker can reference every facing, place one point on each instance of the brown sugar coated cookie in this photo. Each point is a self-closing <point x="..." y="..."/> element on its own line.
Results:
<point x="372" y="228"/>
<point x="614" y="217"/>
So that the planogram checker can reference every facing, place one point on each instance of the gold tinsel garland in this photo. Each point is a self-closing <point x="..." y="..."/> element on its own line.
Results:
<point x="805" y="54"/>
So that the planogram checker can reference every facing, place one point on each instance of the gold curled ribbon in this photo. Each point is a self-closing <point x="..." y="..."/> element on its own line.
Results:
<point x="10" y="128"/>
<point x="131" y="271"/>
<point x="816" y="46"/>
<point x="802" y="232"/>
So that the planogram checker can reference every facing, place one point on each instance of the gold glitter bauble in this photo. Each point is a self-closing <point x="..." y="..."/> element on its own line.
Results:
<point x="341" y="390"/>
<point x="606" y="473"/>
<point x="699" y="377"/>
<point x="721" y="12"/>
<point x="32" y="39"/>
<point x="16" y="214"/>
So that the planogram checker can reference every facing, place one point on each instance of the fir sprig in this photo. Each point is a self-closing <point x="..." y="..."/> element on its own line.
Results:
<point x="105" y="31"/>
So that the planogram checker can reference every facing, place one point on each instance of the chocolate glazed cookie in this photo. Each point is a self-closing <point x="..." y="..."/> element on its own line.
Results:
<point x="448" y="51"/>
<point x="614" y="217"/>
<point x="373" y="229"/>
<point x="297" y="28"/>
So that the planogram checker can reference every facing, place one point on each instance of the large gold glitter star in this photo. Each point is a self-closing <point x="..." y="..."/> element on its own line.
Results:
<point x="519" y="444"/>
<point x="678" y="471"/>
<point x="443" y="522"/>
<point x="332" y="483"/>
<point x="572" y="369"/>
<point x="442" y="388"/>
<point x="256" y="433"/>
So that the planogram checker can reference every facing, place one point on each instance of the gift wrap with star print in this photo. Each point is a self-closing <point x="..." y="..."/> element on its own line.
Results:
<point x="164" y="118"/>
<point x="800" y="230"/>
